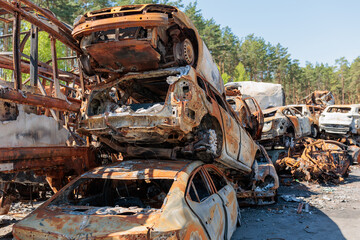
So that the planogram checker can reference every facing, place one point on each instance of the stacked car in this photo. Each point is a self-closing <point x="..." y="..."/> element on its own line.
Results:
<point x="157" y="98"/>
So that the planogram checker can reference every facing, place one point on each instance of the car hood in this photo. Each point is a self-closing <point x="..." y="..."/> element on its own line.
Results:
<point x="336" y="118"/>
<point x="70" y="225"/>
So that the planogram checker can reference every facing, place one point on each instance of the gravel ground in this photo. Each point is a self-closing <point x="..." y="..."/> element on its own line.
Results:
<point x="334" y="213"/>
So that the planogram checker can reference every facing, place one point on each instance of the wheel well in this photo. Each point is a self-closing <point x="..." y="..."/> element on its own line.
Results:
<point x="210" y="122"/>
<point x="290" y="130"/>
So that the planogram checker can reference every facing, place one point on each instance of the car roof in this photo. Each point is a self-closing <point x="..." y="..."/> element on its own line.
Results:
<point x="133" y="8"/>
<point x="345" y="105"/>
<point x="143" y="169"/>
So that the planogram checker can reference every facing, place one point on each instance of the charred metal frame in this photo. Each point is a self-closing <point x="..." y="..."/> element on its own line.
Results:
<point x="59" y="162"/>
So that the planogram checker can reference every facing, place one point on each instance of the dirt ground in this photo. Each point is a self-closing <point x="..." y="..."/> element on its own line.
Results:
<point x="334" y="213"/>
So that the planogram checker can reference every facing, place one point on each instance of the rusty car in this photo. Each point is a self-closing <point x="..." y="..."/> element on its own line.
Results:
<point x="282" y="125"/>
<point x="318" y="160"/>
<point x="135" y="38"/>
<point x="168" y="113"/>
<point x="320" y="98"/>
<point x="247" y="110"/>
<point x="341" y="121"/>
<point x="268" y="95"/>
<point x="138" y="199"/>
<point x="313" y="113"/>
<point x="258" y="187"/>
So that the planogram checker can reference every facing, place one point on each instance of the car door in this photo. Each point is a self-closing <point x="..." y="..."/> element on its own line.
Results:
<point x="231" y="128"/>
<point x="294" y="120"/>
<point x="206" y="205"/>
<point x="304" y="122"/>
<point x="257" y="115"/>
<point x="228" y="196"/>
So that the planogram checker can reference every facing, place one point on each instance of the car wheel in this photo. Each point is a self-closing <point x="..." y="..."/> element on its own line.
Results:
<point x="184" y="53"/>
<point x="314" y="131"/>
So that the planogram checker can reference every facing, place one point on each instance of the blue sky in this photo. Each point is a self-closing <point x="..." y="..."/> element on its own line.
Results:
<point x="315" y="31"/>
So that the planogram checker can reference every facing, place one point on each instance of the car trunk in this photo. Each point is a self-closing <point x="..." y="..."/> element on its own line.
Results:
<point x="337" y="118"/>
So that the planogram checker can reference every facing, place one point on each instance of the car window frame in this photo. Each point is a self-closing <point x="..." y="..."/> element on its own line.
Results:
<point x="190" y="184"/>
<point x="210" y="178"/>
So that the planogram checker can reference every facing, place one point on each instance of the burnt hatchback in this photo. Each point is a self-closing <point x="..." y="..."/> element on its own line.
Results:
<point x="138" y="199"/>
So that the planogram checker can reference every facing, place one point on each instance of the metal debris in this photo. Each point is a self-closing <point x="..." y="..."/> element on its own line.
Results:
<point x="316" y="160"/>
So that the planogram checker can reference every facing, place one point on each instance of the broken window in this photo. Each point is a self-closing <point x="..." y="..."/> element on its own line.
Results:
<point x="300" y="109"/>
<point x="98" y="192"/>
<point x="270" y="114"/>
<point x="288" y="112"/>
<point x="232" y="103"/>
<point x="339" y="110"/>
<point x="218" y="180"/>
<point x="146" y="95"/>
<point x="199" y="190"/>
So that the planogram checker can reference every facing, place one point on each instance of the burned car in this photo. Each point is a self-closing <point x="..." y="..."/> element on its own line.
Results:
<point x="318" y="160"/>
<point x="248" y="112"/>
<point x="341" y="121"/>
<point x="258" y="187"/>
<point x="283" y="125"/>
<point x="313" y="113"/>
<point x="320" y="98"/>
<point x="268" y="95"/>
<point x="168" y="113"/>
<point x="137" y="38"/>
<point x="138" y="199"/>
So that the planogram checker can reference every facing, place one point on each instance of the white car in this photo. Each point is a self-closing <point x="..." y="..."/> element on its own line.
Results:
<point x="341" y="120"/>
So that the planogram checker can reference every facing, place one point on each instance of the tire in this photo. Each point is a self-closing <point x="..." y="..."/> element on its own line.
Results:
<point x="314" y="131"/>
<point x="185" y="53"/>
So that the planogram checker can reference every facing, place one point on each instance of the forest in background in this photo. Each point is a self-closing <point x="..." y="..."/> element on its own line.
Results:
<point x="239" y="58"/>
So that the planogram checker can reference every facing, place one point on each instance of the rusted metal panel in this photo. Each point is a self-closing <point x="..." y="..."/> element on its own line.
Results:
<point x="44" y="69"/>
<point x="38" y="158"/>
<point x="12" y="95"/>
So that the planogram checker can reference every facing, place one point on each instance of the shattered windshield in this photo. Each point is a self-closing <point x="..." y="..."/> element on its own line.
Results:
<point x="270" y="114"/>
<point x="99" y="192"/>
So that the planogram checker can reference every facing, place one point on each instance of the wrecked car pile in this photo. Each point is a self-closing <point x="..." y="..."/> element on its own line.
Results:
<point x="139" y="199"/>
<point x="318" y="160"/>
<point x="153" y="104"/>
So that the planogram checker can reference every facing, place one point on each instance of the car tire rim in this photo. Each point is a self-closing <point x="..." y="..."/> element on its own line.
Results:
<point x="188" y="52"/>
